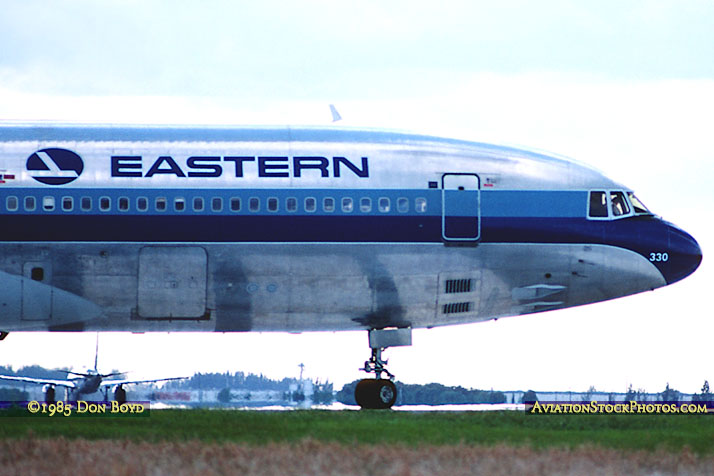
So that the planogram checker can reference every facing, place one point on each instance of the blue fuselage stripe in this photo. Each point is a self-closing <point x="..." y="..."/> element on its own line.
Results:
<point x="264" y="228"/>
<point x="493" y="203"/>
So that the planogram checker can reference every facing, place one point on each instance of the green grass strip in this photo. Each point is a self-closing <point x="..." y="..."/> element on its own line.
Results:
<point x="644" y="432"/>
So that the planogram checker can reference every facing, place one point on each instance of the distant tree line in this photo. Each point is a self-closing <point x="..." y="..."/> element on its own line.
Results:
<point x="323" y="393"/>
<point x="429" y="394"/>
<point x="705" y="396"/>
<point x="235" y="380"/>
<point x="13" y="395"/>
<point x="671" y="395"/>
<point x="529" y="397"/>
<point x="34" y="371"/>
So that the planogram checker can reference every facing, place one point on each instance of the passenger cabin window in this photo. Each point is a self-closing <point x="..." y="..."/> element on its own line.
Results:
<point x="104" y="204"/>
<point x="30" y="204"/>
<point x="420" y="205"/>
<point x="11" y="203"/>
<point x="619" y="204"/>
<point x="272" y="204"/>
<point x="347" y="205"/>
<point x="216" y="204"/>
<point x="365" y="205"/>
<point x="598" y="205"/>
<point x="328" y="204"/>
<point x="197" y="204"/>
<point x="384" y="205"/>
<point x="67" y="204"/>
<point x="160" y="204"/>
<point x="179" y="204"/>
<point x="48" y="203"/>
<point x="85" y="204"/>
<point x="403" y="205"/>
<point x="235" y="204"/>
<point x="123" y="204"/>
<point x="142" y="204"/>
<point x="254" y="204"/>
<point x="291" y="204"/>
<point x="310" y="204"/>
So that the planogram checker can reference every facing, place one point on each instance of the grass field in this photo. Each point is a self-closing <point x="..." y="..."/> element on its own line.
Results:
<point x="671" y="433"/>
<point x="346" y="443"/>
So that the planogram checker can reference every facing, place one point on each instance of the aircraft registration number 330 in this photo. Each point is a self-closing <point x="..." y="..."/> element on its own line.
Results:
<point x="657" y="257"/>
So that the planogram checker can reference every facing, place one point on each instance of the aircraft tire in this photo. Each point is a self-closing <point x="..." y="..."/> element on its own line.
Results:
<point x="50" y="395"/>
<point x="120" y="395"/>
<point x="375" y="394"/>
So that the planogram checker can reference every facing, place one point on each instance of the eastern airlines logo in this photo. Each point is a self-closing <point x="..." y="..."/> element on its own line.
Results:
<point x="55" y="166"/>
<point x="238" y="166"/>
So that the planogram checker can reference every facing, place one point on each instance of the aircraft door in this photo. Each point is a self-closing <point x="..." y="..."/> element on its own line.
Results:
<point x="461" y="207"/>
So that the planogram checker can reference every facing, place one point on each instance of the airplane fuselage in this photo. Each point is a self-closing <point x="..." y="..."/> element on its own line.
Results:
<point x="284" y="229"/>
<point x="87" y="385"/>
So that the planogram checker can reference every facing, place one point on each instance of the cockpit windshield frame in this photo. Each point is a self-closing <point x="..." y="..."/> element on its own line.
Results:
<point x="618" y="203"/>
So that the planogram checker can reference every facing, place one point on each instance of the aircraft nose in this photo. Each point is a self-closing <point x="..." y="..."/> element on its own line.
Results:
<point x="685" y="255"/>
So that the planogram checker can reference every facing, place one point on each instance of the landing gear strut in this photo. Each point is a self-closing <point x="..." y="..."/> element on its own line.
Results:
<point x="379" y="393"/>
<point x="376" y="365"/>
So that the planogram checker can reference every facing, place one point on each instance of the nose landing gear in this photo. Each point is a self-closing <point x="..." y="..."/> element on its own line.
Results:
<point x="379" y="393"/>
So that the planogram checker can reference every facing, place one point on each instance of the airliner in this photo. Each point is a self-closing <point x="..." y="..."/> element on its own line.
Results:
<point x="85" y="383"/>
<point x="236" y="229"/>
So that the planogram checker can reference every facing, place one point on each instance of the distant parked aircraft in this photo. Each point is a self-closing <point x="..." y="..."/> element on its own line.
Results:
<point x="85" y="383"/>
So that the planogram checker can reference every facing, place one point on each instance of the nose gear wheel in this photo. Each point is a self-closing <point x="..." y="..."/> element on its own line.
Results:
<point x="375" y="394"/>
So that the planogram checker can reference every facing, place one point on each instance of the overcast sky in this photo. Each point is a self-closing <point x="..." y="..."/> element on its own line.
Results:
<point x="625" y="86"/>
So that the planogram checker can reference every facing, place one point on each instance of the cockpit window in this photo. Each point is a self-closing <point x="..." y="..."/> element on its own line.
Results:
<point x="598" y="205"/>
<point x="619" y="204"/>
<point x="639" y="207"/>
<point x="614" y="204"/>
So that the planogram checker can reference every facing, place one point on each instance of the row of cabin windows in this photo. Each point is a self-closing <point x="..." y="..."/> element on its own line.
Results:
<point x="329" y="204"/>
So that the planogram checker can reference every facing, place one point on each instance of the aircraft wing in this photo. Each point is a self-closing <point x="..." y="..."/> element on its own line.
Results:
<point x="106" y="383"/>
<point x="39" y="381"/>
